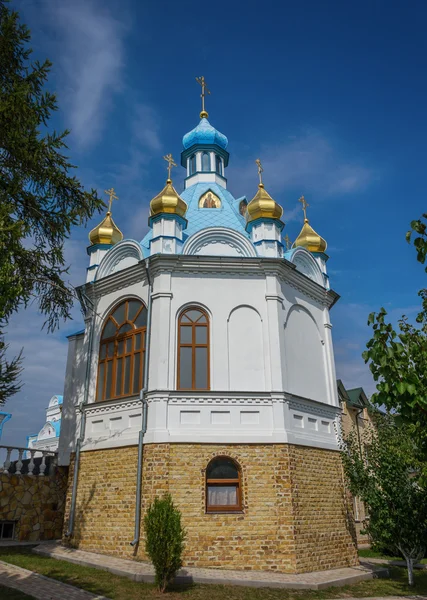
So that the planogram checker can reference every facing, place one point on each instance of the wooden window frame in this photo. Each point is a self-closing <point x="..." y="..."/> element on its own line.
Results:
<point x="116" y="339"/>
<point x="220" y="508"/>
<point x="193" y="347"/>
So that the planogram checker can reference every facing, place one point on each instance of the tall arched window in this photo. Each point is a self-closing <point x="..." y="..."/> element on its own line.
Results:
<point x="206" y="162"/>
<point x="218" y="163"/>
<point x="121" y="351"/>
<point x="192" y="164"/>
<point x="193" y="350"/>
<point x="223" y="485"/>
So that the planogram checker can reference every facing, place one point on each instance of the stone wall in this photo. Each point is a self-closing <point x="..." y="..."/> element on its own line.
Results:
<point x="35" y="503"/>
<point x="294" y="515"/>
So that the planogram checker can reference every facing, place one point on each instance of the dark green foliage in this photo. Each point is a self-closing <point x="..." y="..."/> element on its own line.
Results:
<point x="420" y="241"/>
<point x="164" y="539"/>
<point x="398" y="362"/>
<point x="40" y="200"/>
<point x="384" y="470"/>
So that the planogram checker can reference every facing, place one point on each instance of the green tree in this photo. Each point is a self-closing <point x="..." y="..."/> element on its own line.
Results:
<point x="164" y="539"/>
<point x="384" y="471"/>
<point x="40" y="198"/>
<point x="398" y="362"/>
<point x="419" y="228"/>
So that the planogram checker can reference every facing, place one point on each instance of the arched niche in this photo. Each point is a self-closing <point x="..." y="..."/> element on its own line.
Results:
<point x="304" y="356"/>
<point x="219" y="241"/>
<point x="245" y="350"/>
<point x="121" y="256"/>
<point x="307" y="265"/>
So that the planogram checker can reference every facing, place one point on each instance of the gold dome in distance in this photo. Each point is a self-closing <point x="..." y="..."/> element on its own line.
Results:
<point x="308" y="238"/>
<point x="107" y="231"/>
<point x="262" y="204"/>
<point x="168" y="201"/>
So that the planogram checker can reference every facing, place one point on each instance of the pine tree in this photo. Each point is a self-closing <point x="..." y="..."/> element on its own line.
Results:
<point x="40" y="198"/>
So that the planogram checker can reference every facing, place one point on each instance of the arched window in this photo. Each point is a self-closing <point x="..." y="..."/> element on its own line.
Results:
<point x="218" y="163"/>
<point x="121" y="351"/>
<point x="223" y="485"/>
<point x="193" y="350"/>
<point x="206" y="162"/>
<point x="192" y="164"/>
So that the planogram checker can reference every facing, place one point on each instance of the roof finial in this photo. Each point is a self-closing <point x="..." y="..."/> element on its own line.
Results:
<point x="171" y="163"/>
<point x="304" y="207"/>
<point x="111" y="193"/>
<point x="205" y="90"/>
<point x="260" y="171"/>
<point x="288" y="242"/>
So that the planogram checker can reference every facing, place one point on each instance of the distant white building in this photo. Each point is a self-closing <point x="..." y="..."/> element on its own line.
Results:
<point x="48" y="437"/>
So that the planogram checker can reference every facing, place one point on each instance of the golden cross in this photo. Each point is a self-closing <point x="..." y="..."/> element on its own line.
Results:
<point x="111" y="193"/>
<point x="260" y="170"/>
<point x="287" y="242"/>
<point x="205" y="90"/>
<point x="304" y="206"/>
<point x="171" y="163"/>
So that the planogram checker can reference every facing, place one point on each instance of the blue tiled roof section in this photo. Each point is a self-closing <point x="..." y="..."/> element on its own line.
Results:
<point x="201" y="218"/>
<point x="60" y="399"/>
<point x="203" y="134"/>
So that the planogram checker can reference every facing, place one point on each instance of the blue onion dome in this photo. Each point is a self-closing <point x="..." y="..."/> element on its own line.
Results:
<point x="204" y="134"/>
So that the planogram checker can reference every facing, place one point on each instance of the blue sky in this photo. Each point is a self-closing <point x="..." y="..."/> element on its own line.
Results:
<point x="330" y="95"/>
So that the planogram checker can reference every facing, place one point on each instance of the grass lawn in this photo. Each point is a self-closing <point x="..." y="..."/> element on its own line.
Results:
<point x="10" y="594"/>
<point x="368" y="553"/>
<point x="121" y="588"/>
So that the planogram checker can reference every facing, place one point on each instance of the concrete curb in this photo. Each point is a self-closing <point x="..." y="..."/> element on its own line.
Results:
<point x="189" y="576"/>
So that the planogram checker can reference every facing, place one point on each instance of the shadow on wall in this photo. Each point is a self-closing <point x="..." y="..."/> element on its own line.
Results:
<point x="80" y="519"/>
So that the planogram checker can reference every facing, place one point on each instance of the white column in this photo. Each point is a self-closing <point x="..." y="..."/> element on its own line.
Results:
<point x="160" y="333"/>
<point x="213" y="165"/>
<point x="274" y="301"/>
<point x="198" y="161"/>
<point x="330" y="362"/>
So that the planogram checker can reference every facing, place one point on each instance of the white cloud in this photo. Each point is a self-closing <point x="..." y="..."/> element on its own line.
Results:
<point x="308" y="162"/>
<point x="91" y="56"/>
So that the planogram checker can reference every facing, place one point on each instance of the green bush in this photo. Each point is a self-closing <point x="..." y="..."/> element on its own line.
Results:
<point x="164" y="539"/>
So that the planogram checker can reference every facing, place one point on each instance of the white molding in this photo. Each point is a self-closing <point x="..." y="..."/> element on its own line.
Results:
<point x="118" y="253"/>
<point x="213" y="236"/>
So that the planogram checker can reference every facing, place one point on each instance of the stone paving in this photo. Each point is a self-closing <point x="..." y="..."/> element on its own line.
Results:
<point x="39" y="586"/>
<point x="141" y="571"/>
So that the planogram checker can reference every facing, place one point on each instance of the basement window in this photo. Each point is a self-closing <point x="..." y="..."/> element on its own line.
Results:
<point x="7" y="530"/>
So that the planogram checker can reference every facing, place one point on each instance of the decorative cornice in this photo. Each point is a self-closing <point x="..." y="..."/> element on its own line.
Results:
<point x="161" y="295"/>
<point x="246" y="266"/>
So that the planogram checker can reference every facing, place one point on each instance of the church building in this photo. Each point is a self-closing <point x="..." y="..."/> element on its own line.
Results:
<point x="206" y="370"/>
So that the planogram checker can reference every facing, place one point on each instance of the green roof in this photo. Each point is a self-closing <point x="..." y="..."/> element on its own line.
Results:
<point x="357" y="397"/>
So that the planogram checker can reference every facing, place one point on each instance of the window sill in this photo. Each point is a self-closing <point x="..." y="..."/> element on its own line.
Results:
<point x="225" y="512"/>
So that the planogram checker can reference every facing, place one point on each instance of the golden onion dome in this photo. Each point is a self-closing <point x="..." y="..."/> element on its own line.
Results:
<point x="168" y="201"/>
<point x="263" y="206"/>
<point x="309" y="239"/>
<point x="106" y="232"/>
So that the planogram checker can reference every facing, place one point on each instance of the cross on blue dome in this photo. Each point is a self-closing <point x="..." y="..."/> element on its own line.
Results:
<point x="204" y="134"/>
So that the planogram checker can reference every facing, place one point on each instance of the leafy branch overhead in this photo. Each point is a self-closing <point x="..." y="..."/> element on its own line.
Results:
<point x="40" y="197"/>
<point x="420" y="240"/>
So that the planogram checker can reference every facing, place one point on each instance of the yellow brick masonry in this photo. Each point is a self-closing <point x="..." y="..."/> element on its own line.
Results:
<point x="294" y="518"/>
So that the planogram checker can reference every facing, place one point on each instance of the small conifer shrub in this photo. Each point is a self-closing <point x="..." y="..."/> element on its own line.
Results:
<point x="164" y="539"/>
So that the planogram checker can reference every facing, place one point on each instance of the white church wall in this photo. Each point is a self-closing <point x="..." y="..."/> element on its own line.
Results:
<point x="305" y="356"/>
<point x="246" y="350"/>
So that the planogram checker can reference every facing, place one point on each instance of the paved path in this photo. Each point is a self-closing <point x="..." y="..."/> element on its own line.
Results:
<point x="39" y="586"/>
<point x="140" y="571"/>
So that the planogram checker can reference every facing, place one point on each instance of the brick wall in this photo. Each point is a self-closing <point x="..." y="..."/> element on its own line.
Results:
<point x="292" y="502"/>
